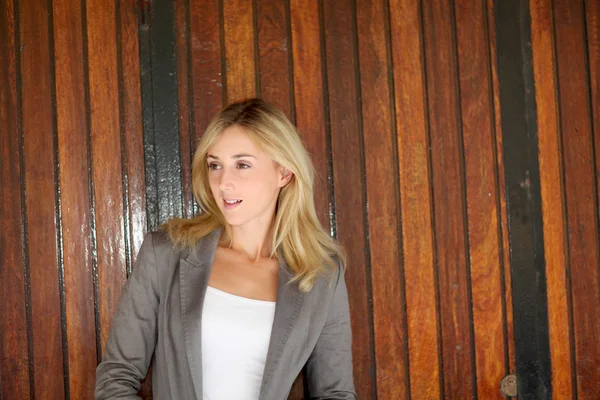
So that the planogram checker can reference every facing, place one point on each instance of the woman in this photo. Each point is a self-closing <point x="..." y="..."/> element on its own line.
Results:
<point x="233" y="303"/>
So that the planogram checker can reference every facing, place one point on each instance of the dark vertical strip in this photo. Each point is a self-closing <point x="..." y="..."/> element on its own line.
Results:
<point x="88" y="125"/>
<point x="464" y="199"/>
<point x="436" y="275"/>
<point x="327" y="117"/>
<point x="399" y="220"/>
<point x="165" y="110"/>
<point x="148" y="118"/>
<point x="190" y="93"/>
<point x="365" y="213"/>
<point x="290" y="47"/>
<point x="497" y="195"/>
<point x="223" y="56"/>
<point x="122" y="128"/>
<point x="256" y="47"/>
<point x="519" y="126"/>
<point x="60" y="262"/>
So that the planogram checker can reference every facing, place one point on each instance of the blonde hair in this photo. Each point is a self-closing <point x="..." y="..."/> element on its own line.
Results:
<point x="297" y="235"/>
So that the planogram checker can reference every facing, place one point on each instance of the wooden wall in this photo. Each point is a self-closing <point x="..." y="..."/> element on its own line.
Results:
<point x="397" y="102"/>
<point x="566" y="49"/>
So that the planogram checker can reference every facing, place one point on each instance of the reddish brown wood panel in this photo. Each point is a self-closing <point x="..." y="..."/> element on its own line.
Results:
<point x="349" y="186"/>
<point x="389" y="308"/>
<point x="131" y="123"/>
<point x="274" y="54"/>
<point x="309" y="86"/>
<point x="14" y="368"/>
<point x="415" y="201"/>
<point x="552" y="190"/>
<point x="483" y="194"/>
<point x="238" y="19"/>
<point x="106" y="146"/>
<point x="449" y="200"/>
<point x="581" y="196"/>
<point x="37" y="123"/>
<point x="74" y="183"/>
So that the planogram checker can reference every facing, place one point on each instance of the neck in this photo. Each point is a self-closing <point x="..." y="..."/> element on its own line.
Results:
<point x="254" y="242"/>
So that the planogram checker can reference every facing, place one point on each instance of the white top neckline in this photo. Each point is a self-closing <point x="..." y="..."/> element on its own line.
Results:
<point x="240" y="298"/>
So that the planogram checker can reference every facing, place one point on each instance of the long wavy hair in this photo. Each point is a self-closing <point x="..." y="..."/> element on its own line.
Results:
<point x="297" y="233"/>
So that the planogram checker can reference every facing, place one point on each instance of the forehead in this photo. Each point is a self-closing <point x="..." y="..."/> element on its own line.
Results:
<point x="234" y="140"/>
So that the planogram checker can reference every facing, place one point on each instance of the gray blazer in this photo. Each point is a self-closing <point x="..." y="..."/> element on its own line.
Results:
<point x="158" y="322"/>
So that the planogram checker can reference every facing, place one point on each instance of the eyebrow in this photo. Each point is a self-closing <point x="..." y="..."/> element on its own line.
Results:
<point x="235" y="156"/>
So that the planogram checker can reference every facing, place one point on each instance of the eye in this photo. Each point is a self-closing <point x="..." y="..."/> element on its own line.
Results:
<point x="213" y="166"/>
<point x="242" y="165"/>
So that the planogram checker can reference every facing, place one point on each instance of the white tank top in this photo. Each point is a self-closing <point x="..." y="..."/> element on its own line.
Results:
<point x="235" y="338"/>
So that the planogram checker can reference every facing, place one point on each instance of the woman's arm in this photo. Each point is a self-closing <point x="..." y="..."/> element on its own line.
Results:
<point x="132" y="337"/>
<point x="329" y="367"/>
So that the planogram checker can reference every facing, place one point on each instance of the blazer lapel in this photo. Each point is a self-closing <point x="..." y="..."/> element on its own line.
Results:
<point x="194" y="271"/>
<point x="289" y="300"/>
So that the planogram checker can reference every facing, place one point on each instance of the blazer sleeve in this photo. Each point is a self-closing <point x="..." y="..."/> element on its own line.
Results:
<point x="132" y="337"/>
<point x="329" y="367"/>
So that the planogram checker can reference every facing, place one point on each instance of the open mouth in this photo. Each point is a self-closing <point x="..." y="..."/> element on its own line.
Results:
<point x="231" y="203"/>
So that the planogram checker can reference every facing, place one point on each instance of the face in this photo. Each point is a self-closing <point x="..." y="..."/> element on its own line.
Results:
<point x="244" y="181"/>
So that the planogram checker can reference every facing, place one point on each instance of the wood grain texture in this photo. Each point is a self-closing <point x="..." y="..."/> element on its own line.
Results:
<point x="416" y="203"/>
<point x="349" y="186"/>
<point x="506" y="283"/>
<point x="37" y="122"/>
<point x="389" y="307"/>
<point x="207" y="79"/>
<point x="131" y="121"/>
<point x="239" y="49"/>
<point x="72" y="140"/>
<point x="582" y="213"/>
<point x="552" y="190"/>
<point x="483" y="213"/>
<point x="106" y="147"/>
<point x="14" y="368"/>
<point x="273" y="54"/>
<point x="449" y="201"/>
<point x="309" y="89"/>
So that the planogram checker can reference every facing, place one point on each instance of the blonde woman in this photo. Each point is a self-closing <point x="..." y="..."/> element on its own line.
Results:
<point x="233" y="303"/>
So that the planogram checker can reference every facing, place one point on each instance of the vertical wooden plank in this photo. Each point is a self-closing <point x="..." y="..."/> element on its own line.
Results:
<point x="581" y="196"/>
<point x="449" y="202"/>
<point x="379" y="135"/>
<point x="483" y="194"/>
<point x="184" y="104"/>
<point x="37" y="122"/>
<point x="349" y="186"/>
<point x="239" y="49"/>
<point x="207" y="79"/>
<point x="14" y="364"/>
<point x="274" y="54"/>
<point x="106" y="159"/>
<point x="506" y="283"/>
<point x="309" y="85"/>
<point x="553" y="208"/>
<point x="131" y="123"/>
<point x="416" y="203"/>
<point x="72" y="144"/>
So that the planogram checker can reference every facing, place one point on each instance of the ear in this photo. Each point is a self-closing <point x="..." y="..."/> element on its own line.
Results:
<point x="285" y="176"/>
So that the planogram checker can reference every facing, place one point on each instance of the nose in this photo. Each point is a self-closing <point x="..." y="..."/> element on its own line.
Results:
<point x="225" y="180"/>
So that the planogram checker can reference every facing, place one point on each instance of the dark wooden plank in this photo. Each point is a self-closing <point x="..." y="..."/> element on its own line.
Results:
<point x="309" y="96"/>
<point x="449" y="201"/>
<point x="349" y="186"/>
<point x="185" y="99"/>
<point x="106" y="159"/>
<point x="239" y="49"/>
<point x="131" y="121"/>
<point x="37" y="123"/>
<point x="72" y="140"/>
<point x="380" y="148"/>
<point x="581" y="197"/>
<point x="416" y="203"/>
<point x="483" y="193"/>
<point x="506" y="283"/>
<point x="552" y="187"/>
<point x="207" y="79"/>
<point x="274" y="54"/>
<point x="14" y="364"/>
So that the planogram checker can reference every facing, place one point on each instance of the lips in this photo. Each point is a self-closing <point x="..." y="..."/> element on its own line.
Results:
<point x="231" y="203"/>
